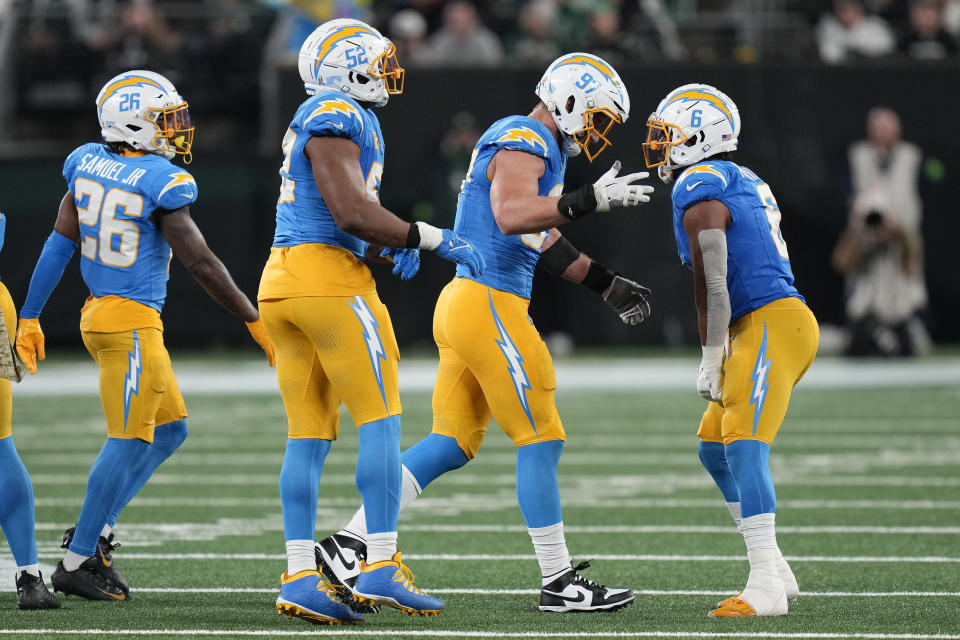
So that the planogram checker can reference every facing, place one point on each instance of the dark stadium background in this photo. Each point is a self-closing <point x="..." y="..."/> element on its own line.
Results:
<point x="798" y="119"/>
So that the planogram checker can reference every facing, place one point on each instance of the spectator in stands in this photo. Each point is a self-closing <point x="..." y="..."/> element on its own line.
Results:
<point x="535" y="44"/>
<point x="143" y="39"/>
<point x="926" y="38"/>
<point x="463" y="40"/>
<point x="848" y="34"/>
<point x="408" y="31"/>
<point x="881" y="250"/>
<point x="606" y="39"/>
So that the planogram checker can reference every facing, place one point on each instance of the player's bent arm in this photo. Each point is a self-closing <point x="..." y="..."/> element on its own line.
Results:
<point x="191" y="249"/>
<point x="514" y="194"/>
<point x="561" y="259"/>
<point x="336" y="170"/>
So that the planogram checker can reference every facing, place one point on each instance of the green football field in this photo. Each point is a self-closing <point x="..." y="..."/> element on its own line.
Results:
<point x="869" y="516"/>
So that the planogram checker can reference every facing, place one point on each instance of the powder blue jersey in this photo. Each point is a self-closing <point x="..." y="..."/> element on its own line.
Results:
<point x="758" y="266"/>
<point x="510" y="260"/>
<point x="302" y="215"/>
<point x="123" y="252"/>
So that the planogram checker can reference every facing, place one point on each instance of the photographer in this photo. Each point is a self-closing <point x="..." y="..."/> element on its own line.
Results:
<point x="881" y="250"/>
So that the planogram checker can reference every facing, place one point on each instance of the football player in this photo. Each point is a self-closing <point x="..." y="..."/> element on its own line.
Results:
<point x="727" y="226"/>
<point x="492" y="360"/>
<point x="127" y="208"/>
<point x="16" y="490"/>
<point x="335" y="341"/>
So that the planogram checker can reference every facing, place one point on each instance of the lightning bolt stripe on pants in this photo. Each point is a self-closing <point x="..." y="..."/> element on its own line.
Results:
<point x="131" y="386"/>
<point x="372" y="337"/>
<point x="760" y="378"/>
<point x="514" y="363"/>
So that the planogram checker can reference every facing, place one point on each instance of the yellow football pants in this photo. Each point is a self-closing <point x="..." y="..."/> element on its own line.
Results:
<point x="771" y="349"/>
<point x="6" y="394"/>
<point x="492" y="363"/>
<point x="333" y="349"/>
<point x="137" y="387"/>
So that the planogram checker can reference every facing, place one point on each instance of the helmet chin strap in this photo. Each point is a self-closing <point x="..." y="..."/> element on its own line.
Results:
<point x="665" y="174"/>
<point x="570" y="147"/>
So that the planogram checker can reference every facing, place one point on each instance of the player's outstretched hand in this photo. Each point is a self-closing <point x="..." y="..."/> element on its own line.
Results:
<point x="406" y="262"/>
<point x="629" y="299"/>
<point x="30" y="343"/>
<point x="259" y="333"/>
<point x="455" y="249"/>
<point x="612" y="191"/>
<point x="710" y="378"/>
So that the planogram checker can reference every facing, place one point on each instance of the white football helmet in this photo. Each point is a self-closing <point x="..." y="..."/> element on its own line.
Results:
<point x="692" y="123"/>
<point x="143" y="109"/>
<point x="352" y="57"/>
<point x="586" y="98"/>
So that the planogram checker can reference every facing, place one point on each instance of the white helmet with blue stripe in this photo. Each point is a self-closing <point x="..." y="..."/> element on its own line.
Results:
<point x="586" y="98"/>
<point x="692" y="123"/>
<point x="144" y="110"/>
<point x="352" y="57"/>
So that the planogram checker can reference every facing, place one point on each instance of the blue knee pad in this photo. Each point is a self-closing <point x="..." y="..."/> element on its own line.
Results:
<point x="432" y="457"/>
<point x="299" y="484"/>
<point x="378" y="473"/>
<point x="16" y="505"/>
<point x="109" y="475"/>
<point x="167" y="438"/>
<point x="749" y="463"/>
<point x="715" y="462"/>
<point x="538" y="493"/>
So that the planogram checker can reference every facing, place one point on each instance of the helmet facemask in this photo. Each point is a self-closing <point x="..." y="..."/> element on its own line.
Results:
<point x="174" y="130"/>
<point x="661" y="138"/>
<point x="597" y="123"/>
<point x="387" y="68"/>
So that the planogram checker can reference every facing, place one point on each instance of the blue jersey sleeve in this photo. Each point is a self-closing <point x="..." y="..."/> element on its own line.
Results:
<point x="516" y="134"/>
<point x="334" y="115"/>
<point x="698" y="183"/>
<point x="171" y="188"/>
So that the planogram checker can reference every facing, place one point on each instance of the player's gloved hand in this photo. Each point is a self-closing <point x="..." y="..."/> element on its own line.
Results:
<point x="612" y="191"/>
<point x="406" y="262"/>
<point x="710" y="378"/>
<point x="259" y="333"/>
<point x="456" y="249"/>
<point x="30" y="345"/>
<point x="629" y="299"/>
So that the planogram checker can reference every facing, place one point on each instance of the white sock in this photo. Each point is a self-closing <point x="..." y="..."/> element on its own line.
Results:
<point x="72" y="561"/>
<point x="300" y="556"/>
<point x="381" y="546"/>
<point x="551" y="548"/>
<point x="409" y="490"/>
<point x="765" y="589"/>
<point x="105" y="532"/>
<point x="32" y="569"/>
<point x="734" y="509"/>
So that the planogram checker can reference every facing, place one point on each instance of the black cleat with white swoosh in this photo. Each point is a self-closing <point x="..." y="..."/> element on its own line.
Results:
<point x="572" y="592"/>
<point x="338" y="557"/>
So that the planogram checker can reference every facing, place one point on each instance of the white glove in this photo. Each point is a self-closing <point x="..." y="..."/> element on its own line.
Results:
<point x="612" y="191"/>
<point x="710" y="378"/>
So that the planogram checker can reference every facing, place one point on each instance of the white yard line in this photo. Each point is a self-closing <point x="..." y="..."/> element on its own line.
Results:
<point x="247" y="377"/>
<point x="441" y="633"/>
<point x="456" y="557"/>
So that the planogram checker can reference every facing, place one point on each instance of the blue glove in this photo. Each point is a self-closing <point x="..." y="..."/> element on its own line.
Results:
<point x="406" y="262"/>
<point x="455" y="249"/>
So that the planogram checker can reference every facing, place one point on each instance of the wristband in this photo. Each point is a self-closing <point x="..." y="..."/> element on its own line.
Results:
<point x="578" y="203"/>
<point x="413" y="237"/>
<point x="598" y="277"/>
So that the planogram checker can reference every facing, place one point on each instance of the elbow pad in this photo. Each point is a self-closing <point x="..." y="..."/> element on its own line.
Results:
<point x="558" y="256"/>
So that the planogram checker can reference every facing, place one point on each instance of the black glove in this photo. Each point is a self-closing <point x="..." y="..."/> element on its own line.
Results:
<point x="629" y="299"/>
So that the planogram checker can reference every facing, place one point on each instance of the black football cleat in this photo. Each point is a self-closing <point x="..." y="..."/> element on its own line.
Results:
<point x="32" y="593"/>
<point x="104" y="557"/>
<point x="572" y="592"/>
<point x="339" y="557"/>
<point x="87" y="582"/>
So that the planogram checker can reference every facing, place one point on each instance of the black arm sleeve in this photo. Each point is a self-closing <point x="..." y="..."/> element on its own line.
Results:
<point x="558" y="256"/>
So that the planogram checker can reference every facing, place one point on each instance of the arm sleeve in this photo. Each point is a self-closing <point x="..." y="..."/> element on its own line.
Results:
<point x="713" y="248"/>
<point x="56" y="253"/>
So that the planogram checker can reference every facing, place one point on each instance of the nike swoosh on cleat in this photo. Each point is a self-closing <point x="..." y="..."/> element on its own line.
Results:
<point x="113" y="595"/>
<point x="581" y="596"/>
<point x="346" y="565"/>
<point x="104" y="559"/>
